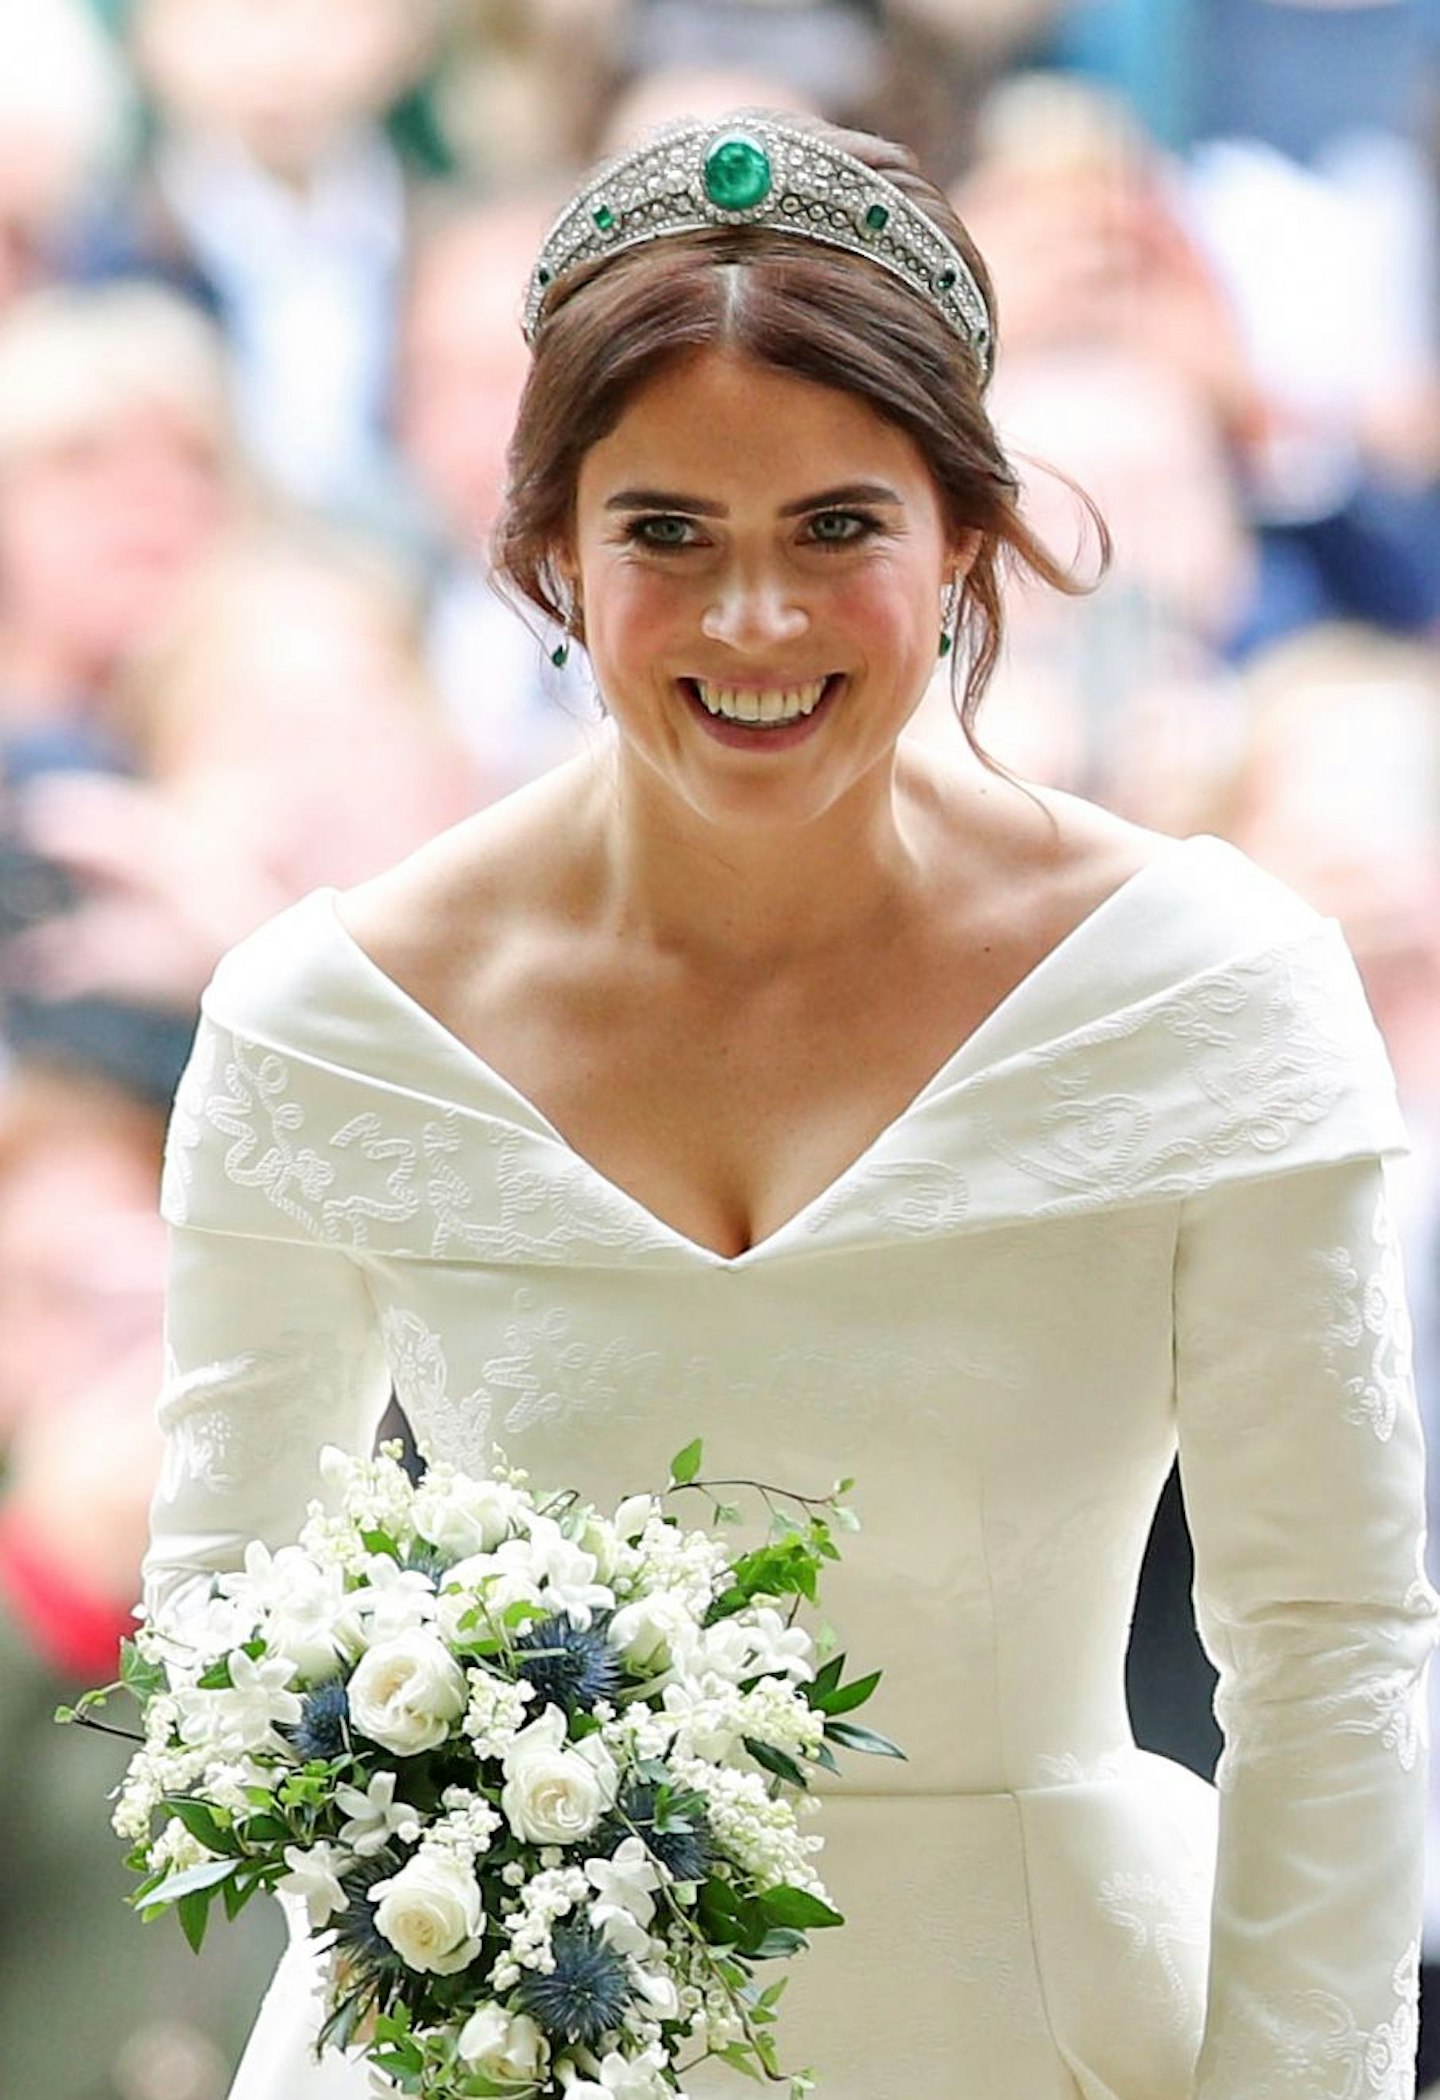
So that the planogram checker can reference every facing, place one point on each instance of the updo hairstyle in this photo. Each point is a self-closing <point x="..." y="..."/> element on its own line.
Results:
<point x="798" y="307"/>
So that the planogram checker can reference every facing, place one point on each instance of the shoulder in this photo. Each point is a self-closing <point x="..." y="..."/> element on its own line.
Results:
<point x="464" y="899"/>
<point x="1051" y="861"/>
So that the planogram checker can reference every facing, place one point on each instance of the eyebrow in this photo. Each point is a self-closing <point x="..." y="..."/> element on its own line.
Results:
<point x="670" y="500"/>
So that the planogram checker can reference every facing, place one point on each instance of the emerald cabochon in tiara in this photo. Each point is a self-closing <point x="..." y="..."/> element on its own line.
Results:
<point x="752" y="171"/>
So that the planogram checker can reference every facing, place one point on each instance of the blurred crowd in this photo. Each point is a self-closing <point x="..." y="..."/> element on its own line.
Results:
<point x="260" y="262"/>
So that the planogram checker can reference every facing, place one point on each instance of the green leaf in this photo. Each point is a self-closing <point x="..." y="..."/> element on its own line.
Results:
<point x="797" y="1907"/>
<point x="139" y="1674"/>
<point x="203" y="1824"/>
<point x="205" y="1876"/>
<point x="779" y="1944"/>
<point x="740" y="2057"/>
<point x="850" y="1736"/>
<point x="826" y="1679"/>
<point x="778" y="1762"/>
<point x="216" y="1678"/>
<point x="193" y="1912"/>
<point x="843" y="1699"/>
<point x="685" y="1465"/>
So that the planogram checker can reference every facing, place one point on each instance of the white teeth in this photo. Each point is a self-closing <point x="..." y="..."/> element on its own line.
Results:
<point x="777" y="704"/>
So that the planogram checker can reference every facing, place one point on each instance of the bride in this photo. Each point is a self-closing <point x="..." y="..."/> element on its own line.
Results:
<point x="768" y="1074"/>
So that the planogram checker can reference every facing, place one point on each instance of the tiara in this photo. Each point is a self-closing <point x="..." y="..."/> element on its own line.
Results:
<point x="752" y="171"/>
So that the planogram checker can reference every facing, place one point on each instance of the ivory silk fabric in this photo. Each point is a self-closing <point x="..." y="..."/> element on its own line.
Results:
<point x="1142" y="1203"/>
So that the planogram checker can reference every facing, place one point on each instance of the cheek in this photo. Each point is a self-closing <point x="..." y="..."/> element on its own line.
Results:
<point x="631" y="610"/>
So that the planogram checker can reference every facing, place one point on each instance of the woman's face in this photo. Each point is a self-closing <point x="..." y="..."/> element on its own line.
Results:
<point x="760" y="561"/>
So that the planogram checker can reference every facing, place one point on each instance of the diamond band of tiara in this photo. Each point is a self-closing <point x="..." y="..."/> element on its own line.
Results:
<point x="753" y="171"/>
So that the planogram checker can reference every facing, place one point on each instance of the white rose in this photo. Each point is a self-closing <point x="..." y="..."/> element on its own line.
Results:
<point x="463" y="1516"/>
<point x="503" y="2045"/>
<point x="431" y="1913"/>
<point x="653" y="1632"/>
<point x="555" y="1793"/>
<point x="405" y="1693"/>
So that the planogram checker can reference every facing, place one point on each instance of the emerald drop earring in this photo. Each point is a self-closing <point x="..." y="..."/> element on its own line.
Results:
<point x="949" y="604"/>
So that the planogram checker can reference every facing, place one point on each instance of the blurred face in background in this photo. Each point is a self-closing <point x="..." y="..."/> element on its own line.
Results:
<point x="98" y="528"/>
<point x="285" y="79"/>
<point x="82" y="1257"/>
<point x="463" y="362"/>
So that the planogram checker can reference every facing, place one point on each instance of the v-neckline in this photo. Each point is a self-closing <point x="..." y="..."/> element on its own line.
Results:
<point x="1000" y="1012"/>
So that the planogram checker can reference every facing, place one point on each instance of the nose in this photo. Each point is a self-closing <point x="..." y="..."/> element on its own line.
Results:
<point x="752" y="610"/>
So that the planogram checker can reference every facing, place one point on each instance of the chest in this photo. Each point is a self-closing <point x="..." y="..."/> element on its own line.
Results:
<point x="726" y="1109"/>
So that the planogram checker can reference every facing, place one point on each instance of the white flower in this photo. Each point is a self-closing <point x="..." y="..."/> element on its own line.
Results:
<point x="565" y="1571"/>
<point x="554" y="1793"/>
<point x="496" y="1712"/>
<point x="653" y="1632"/>
<point x="431" y="1913"/>
<point x="708" y="1717"/>
<point x="622" y="2078"/>
<point x="375" y="1816"/>
<point x="634" y="1514"/>
<point x="503" y="2045"/>
<point x="245" y="1716"/>
<point x="463" y="1516"/>
<point x="660" y="1992"/>
<point x="625" y="1881"/>
<point x="405" y="1693"/>
<point x="389" y="1602"/>
<point x="313" y="1875"/>
<point x="780" y="1650"/>
<point x="298" y="1601"/>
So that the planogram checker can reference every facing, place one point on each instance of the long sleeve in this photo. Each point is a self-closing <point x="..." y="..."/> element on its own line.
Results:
<point x="271" y="1353"/>
<point x="1303" y="1469"/>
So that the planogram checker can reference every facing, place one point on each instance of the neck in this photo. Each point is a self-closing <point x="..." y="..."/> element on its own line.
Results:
<point x="750" y="899"/>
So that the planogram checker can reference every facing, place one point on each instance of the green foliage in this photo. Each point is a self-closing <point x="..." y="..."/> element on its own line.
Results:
<point x="685" y="1465"/>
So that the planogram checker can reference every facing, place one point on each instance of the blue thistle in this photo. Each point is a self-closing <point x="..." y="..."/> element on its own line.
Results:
<point x="323" y="1729"/>
<point x="585" y="1994"/>
<point x="429" y="1560"/>
<point x="686" y="1855"/>
<point x="357" y="1936"/>
<point x="570" y="1666"/>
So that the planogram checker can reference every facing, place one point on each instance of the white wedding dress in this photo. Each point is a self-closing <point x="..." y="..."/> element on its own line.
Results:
<point x="1142" y="1202"/>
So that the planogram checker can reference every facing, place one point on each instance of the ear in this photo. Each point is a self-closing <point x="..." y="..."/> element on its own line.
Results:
<point x="961" y="554"/>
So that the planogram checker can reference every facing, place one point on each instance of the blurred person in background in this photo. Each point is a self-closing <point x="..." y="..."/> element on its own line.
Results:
<point x="1312" y="184"/>
<point x="65" y="113"/>
<point x="118" y="471"/>
<point x="1122" y="371"/>
<point x="286" y="737"/>
<point x="271" y="190"/>
<point x="461" y="369"/>
<point x="82" y="1261"/>
<point x="1338" y="792"/>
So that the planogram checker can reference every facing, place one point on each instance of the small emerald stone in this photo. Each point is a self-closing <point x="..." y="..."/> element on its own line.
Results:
<point x="542" y="275"/>
<point x="877" y="218"/>
<point x="945" y="282"/>
<point x="603" y="216"/>
<point x="737" y="173"/>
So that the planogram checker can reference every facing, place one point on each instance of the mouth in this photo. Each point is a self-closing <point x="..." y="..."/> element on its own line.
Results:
<point x="762" y="710"/>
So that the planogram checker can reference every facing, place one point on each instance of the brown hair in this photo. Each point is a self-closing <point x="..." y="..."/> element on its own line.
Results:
<point x="800" y="308"/>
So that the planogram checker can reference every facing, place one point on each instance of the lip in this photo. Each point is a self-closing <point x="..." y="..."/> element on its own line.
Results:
<point x="745" y="736"/>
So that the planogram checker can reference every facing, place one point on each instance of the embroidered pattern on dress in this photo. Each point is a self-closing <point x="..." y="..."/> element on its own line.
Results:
<point x="1310" y="2046"/>
<point x="456" y="1427"/>
<point x="1165" y="1922"/>
<point x="1367" y="1328"/>
<point x="520" y="1208"/>
<point x="238" y="1417"/>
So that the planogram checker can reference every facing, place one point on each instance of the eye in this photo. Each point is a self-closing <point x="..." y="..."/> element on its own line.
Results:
<point x="667" y="532"/>
<point x="841" y="528"/>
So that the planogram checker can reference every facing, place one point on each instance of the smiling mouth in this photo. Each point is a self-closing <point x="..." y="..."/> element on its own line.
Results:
<point x="757" y="707"/>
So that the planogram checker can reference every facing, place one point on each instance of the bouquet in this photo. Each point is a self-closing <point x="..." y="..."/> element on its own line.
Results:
<point x="538" y="1775"/>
